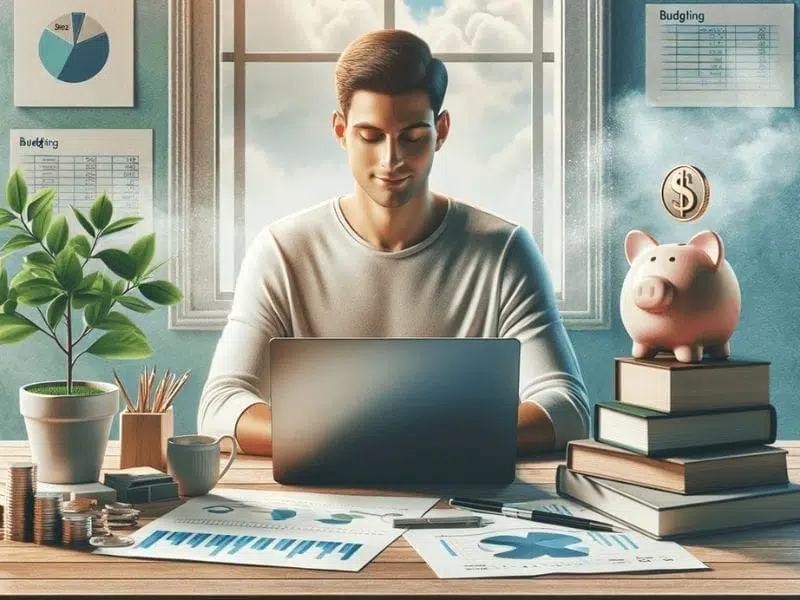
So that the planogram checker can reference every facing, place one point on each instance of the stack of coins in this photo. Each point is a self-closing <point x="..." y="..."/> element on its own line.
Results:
<point x="87" y="506"/>
<point x="47" y="518"/>
<point x="120" y="515"/>
<point x="20" y="488"/>
<point x="77" y="529"/>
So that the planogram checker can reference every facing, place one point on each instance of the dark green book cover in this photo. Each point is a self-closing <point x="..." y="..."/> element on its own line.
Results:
<point x="652" y="415"/>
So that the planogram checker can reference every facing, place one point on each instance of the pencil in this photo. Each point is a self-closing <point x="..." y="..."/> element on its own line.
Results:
<point x="124" y="394"/>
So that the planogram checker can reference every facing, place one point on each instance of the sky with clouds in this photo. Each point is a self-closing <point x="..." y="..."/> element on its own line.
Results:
<point x="292" y="160"/>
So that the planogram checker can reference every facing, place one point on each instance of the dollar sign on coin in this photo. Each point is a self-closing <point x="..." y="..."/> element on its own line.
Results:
<point x="685" y="192"/>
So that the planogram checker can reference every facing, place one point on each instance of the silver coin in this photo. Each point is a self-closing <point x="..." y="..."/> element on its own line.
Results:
<point x="111" y="541"/>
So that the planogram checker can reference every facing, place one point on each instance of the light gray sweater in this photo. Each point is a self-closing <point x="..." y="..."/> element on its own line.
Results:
<point x="477" y="275"/>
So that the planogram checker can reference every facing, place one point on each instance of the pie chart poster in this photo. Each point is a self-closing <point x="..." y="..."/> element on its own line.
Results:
<point x="73" y="53"/>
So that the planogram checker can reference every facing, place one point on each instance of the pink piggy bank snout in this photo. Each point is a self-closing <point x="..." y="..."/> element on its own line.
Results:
<point x="653" y="294"/>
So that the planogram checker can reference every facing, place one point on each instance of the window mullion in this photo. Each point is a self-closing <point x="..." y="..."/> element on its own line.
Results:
<point x="239" y="126"/>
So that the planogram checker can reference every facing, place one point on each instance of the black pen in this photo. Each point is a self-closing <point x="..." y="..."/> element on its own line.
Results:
<point x="538" y="516"/>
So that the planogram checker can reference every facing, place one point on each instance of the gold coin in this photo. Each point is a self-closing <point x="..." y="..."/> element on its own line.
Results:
<point x="685" y="193"/>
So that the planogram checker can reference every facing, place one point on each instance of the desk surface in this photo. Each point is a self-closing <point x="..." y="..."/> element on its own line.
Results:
<point x="763" y="562"/>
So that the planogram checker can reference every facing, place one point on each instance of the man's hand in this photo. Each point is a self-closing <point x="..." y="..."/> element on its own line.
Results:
<point x="535" y="431"/>
<point x="254" y="430"/>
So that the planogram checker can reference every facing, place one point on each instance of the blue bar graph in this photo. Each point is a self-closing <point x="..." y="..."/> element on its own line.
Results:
<point x="213" y="544"/>
<point x="447" y="547"/>
<point x="621" y="540"/>
<point x="556" y="508"/>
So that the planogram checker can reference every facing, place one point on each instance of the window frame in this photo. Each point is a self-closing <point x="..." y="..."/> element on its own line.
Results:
<point x="193" y="162"/>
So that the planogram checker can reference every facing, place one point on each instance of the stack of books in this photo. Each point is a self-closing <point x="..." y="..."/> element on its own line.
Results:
<point x="684" y="449"/>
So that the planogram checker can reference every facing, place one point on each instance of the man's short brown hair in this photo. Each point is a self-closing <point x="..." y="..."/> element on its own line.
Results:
<point x="389" y="61"/>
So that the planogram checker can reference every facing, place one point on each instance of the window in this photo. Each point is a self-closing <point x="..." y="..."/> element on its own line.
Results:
<point x="252" y="94"/>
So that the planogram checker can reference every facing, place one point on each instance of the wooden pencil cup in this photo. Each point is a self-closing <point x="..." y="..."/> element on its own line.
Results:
<point x="143" y="439"/>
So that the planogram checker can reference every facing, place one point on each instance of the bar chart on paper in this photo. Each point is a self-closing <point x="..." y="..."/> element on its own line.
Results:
<point x="302" y="530"/>
<point x="720" y="55"/>
<point x="209" y="544"/>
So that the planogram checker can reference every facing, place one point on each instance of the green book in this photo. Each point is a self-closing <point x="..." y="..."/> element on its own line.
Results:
<point x="653" y="433"/>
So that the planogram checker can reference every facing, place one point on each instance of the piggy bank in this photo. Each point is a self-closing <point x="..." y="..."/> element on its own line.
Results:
<point x="680" y="298"/>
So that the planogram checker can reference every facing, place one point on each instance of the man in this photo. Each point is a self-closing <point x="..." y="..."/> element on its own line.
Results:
<point x="393" y="259"/>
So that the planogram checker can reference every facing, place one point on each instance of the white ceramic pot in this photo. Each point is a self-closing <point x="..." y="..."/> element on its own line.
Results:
<point x="68" y="435"/>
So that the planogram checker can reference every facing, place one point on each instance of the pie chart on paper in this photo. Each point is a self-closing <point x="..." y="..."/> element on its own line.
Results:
<point x="74" y="48"/>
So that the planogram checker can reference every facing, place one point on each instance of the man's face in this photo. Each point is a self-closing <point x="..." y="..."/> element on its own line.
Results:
<point x="390" y="143"/>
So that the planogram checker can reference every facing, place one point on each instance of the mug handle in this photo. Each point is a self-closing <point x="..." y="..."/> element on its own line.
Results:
<point x="233" y="454"/>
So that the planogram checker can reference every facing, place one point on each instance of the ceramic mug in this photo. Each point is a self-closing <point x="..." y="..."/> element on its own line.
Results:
<point x="193" y="461"/>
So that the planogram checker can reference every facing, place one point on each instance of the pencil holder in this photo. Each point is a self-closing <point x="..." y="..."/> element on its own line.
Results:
<point x="143" y="439"/>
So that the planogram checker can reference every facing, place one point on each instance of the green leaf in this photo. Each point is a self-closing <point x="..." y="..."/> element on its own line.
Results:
<point x="87" y="282"/>
<point x="82" y="299"/>
<point x="105" y="284"/>
<point x="41" y="223"/>
<point x="121" y="224"/>
<point x="81" y="245"/>
<point x="158" y="266"/>
<point x="121" y="344"/>
<point x="3" y="285"/>
<point x="6" y="216"/>
<point x="119" y="262"/>
<point x="96" y="311"/>
<point x="35" y="292"/>
<point x="116" y="321"/>
<point x="21" y="240"/>
<point x="38" y="271"/>
<point x="161" y="292"/>
<point x="135" y="304"/>
<point x="9" y="307"/>
<point x="41" y="259"/>
<point x="17" y="192"/>
<point x="119" y="287"/>
<point x="40" y="200"/>
<point x="57" y="235"/>
<point x="142" y="252"/>
<point x="56" y="310"/>
<point x="83" y="221"/>
<point x="15" y="328"/>
<point x="68" y="270"/>
<point x="101" y="211"/>
<point x="21" y="277"/>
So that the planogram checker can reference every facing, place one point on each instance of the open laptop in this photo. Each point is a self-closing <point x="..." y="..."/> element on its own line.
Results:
<point x="394" y="410"/>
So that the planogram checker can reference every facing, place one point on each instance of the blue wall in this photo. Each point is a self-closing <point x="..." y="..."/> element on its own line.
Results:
<point x="760" y="235"/>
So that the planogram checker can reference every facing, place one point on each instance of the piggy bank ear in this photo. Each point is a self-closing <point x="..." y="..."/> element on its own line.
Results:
<point x="637" y="242"/>
<point x="710" y="243"/>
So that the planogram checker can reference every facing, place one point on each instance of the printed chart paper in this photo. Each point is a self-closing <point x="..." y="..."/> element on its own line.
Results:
<point x="73" y="53"/>
<point x="293" y="529"/>
<point x="83" y="163"/>
<point x="720" y="54"/>
<point x="510" y="547"/>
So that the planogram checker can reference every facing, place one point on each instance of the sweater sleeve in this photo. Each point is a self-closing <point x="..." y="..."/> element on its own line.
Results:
<point x="549" y="370"/>
<point x="239" y="373"/>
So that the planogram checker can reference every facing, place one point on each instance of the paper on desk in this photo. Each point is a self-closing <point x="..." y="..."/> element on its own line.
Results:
<point x="284" y="529"/>
<point x="510" y="547"/>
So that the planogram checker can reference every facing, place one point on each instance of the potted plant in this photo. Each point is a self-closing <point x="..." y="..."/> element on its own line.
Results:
<point x="68" y="421"/>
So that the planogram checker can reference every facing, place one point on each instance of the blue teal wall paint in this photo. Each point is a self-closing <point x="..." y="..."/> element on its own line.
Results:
<point x="761" y="244"/>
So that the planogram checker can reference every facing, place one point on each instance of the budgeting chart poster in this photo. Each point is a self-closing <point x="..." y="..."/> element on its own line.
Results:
<point x="720" y="54"/>
<point x="303" y="530"/>
<point x="73" y="53"/>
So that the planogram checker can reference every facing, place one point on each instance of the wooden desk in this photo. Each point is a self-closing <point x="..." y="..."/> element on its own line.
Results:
<point x="764" y="562"/>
